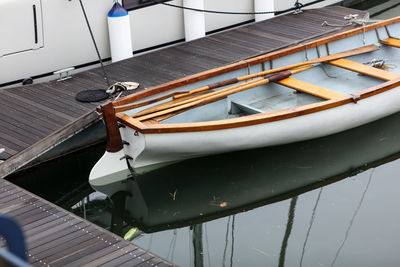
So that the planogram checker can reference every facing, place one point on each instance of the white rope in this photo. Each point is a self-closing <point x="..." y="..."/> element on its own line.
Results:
<point x="352" y="19"/>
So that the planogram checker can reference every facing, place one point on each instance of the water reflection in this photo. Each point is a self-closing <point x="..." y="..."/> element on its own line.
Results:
<point x="282" y="206"/>
<point x="199" y="190"/>
<point x="311" y="220"/>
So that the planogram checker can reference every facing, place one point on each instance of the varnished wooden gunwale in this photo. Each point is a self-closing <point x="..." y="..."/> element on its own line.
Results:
<point x="246" y="63"/>
<point x="260" y="118"/>
<point x="159" y="111"/>
<point x="232" y="123"/>
<point x="256" y="118"/>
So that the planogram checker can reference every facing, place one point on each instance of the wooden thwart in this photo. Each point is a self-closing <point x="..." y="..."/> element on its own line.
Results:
<point x="395" y="42"/>
<point x="173" y="106"/>
<point x="352" y="52"/>
<point x="364" y="69"/>
<point x="310" y="89"/>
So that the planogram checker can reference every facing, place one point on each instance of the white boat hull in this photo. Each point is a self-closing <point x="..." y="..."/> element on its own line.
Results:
<point x="153" y="149"/>
<point x="198" y="131"/>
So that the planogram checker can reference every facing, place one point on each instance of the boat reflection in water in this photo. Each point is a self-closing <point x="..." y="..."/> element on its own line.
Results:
<point x="312" y="229"/>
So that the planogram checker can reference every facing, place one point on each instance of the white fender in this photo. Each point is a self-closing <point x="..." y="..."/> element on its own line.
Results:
<point x="119" y="28"/>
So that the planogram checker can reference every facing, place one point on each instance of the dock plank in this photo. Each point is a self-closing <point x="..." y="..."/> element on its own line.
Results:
<point x="74" y="257"/>
<point x="59" y="238"/>
<point x="97" y="254"/>
<point x="72" y="248"/>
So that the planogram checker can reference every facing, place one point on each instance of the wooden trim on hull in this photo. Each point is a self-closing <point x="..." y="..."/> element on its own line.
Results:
<point x="236" y="122"/>
<point x="260" y="118"/>
<point x="246" y="63"/>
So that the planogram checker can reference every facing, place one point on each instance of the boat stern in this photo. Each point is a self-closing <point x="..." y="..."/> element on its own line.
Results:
<point x="112" y="167"/>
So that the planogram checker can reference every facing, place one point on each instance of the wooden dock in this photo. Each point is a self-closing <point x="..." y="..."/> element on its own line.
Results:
<point x="55" y="237"/>
<point x="34" y="118"/>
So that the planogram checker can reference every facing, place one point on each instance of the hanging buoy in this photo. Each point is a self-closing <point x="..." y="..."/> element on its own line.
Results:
<point x="119" y="28"/>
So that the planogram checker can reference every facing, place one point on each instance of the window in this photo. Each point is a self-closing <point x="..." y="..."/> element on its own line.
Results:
<point x="135" y="4"/>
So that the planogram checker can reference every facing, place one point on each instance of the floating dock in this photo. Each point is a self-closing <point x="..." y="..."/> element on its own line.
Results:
<point x="35" y="118"/>
<point x="55" y="237"/>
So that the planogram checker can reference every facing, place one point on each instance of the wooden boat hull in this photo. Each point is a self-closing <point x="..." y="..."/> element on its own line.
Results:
<point x="152" y="139"/>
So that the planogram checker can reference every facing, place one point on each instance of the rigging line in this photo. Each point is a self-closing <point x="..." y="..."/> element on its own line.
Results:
<point x="352" y="219"/>
<point x="94" y="43"/>
<point x="208" y="250"/>
<point x="309" y="227"/>
<point x="171" y="243"/>
<point x="191" y="256"/>
<point x="276" y="12"/>
<point x="233" y="239"/>
<point x="174" y="245"/>
<point x="226" y="241"/>
<point x="289" y="226"/>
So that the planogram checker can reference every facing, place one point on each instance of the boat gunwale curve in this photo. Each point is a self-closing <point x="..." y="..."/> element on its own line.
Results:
<point x="121" y="102"/>
<point x="120" y="105"/>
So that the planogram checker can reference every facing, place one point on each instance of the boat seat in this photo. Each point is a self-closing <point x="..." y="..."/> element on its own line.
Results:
<point x="248" y="110"/>
<point x="364" y="69"/>
<point x="391" y="41"/>
<point x="310" y="88"/>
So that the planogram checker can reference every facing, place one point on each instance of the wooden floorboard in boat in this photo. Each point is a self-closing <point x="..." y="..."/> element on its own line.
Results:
<point x="31" y="113"/>
<point x="55" y="237"/>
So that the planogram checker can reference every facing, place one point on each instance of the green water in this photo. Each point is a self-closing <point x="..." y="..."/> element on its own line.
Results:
<point x="332" y="201"/>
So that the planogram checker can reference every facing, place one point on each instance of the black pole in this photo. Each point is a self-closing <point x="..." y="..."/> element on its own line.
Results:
<point x="95" y="45"/>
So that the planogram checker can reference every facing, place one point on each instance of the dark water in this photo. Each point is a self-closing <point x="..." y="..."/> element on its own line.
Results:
<point x="332" y="201"/>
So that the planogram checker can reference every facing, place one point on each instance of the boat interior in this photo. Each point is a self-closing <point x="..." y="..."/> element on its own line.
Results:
<point x="314" y="81"/>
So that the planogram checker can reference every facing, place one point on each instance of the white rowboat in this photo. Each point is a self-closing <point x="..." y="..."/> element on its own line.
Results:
<point x="348" y="80"/>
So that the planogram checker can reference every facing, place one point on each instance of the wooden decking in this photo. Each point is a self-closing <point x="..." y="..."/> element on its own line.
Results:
<point x="34" y="118"/>
<point x="55" y="237"/>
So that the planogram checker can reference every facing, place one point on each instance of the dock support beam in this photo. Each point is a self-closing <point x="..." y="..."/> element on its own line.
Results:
<point x="194" y="20"/>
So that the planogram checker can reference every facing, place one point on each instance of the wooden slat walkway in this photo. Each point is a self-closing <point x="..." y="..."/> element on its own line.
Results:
<point x="55" y="237"/>
<point x="34" y="118"/>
